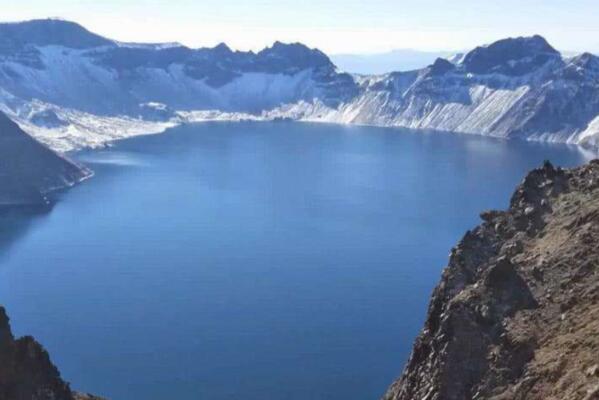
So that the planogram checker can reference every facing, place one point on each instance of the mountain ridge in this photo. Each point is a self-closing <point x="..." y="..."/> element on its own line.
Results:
<point x="97" y="89"/>
<point x="520" y="268"/>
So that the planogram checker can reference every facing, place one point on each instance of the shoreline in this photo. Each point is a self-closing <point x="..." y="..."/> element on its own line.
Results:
<point x="104" y="132"/>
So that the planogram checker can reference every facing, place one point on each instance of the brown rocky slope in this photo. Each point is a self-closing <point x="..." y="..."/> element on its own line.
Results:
<point x="516" y="315"/>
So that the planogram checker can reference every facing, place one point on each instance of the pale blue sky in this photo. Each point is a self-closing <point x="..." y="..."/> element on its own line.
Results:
<point x="336" y="26"/>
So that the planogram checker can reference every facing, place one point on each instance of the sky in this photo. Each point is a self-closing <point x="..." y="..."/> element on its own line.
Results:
<point x="334" y="26"/>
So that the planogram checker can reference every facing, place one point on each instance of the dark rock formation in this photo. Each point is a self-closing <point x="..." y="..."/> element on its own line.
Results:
<point x="19" y="41"/>
<point x="47" y="32"/>
<point x="516" y="315"/>
<point x="26" y="372"/>
<point x="513" y="56"/>
<point x="29" y="170"/>
<point x="440" y="67"/>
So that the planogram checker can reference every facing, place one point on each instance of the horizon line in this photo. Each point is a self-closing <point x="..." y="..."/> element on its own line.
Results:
<point x="177" y="43"/>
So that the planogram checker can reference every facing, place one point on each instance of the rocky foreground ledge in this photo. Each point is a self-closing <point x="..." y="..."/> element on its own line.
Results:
<point x="516" y="315"/>
<point x="26" y="372"/>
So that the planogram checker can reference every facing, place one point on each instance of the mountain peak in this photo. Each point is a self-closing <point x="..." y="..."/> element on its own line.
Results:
<point x="52" y="31"/>
<point x="512" y="56"/>
<point x="288" y="48"/>
<point x="586" y="60"/>
<point x="222" y="48"/>
<point x="440" y="67"/>
<point x="295" y="54"/>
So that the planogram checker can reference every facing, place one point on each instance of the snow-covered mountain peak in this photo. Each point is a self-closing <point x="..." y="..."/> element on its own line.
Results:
<point x="72" y="88"/>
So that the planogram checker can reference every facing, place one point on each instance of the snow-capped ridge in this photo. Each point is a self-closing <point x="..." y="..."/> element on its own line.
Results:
<point x="86" y="90"/>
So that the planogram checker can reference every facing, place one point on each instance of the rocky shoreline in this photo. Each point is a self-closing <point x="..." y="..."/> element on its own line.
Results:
<point x="516" y="315"/>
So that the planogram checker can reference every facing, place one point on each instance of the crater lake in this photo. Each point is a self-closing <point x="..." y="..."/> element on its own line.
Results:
<point x="252" y="260"/>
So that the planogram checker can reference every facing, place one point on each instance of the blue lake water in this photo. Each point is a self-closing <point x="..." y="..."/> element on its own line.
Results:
<point x="252" y="260"/>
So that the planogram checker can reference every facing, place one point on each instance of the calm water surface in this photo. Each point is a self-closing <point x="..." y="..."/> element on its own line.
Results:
<point x="252" y="260"/>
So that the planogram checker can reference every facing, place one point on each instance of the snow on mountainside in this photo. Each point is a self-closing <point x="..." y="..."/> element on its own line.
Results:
<point x="71" y="88"/>
<point x="513" y="88"/>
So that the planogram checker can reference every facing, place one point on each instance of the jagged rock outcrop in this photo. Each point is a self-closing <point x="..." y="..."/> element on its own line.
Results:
<point x="29" y="170"/>
<point x="516" y="315"/>
<point x="26" y="371"/>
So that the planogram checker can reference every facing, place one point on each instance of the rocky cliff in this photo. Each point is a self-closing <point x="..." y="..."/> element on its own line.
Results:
<point x="26" y="372"/>
<point x="516" y="315"/>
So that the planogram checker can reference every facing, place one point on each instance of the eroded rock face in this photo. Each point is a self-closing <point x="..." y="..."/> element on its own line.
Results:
<point x="516" y="315"/>
<point x="26" y="372"/>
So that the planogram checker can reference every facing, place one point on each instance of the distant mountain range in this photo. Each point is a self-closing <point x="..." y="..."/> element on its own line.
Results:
<point x="67" y="88"/>
<point x="399" y="60"/>
<point x="383" y="63"/>
<point x="71" y="88"/>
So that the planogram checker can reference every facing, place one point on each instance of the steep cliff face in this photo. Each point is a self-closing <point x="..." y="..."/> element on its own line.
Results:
<point x="516" y="315"/>
<point x="29" y="170"/>
<point x="26" y="372"/>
